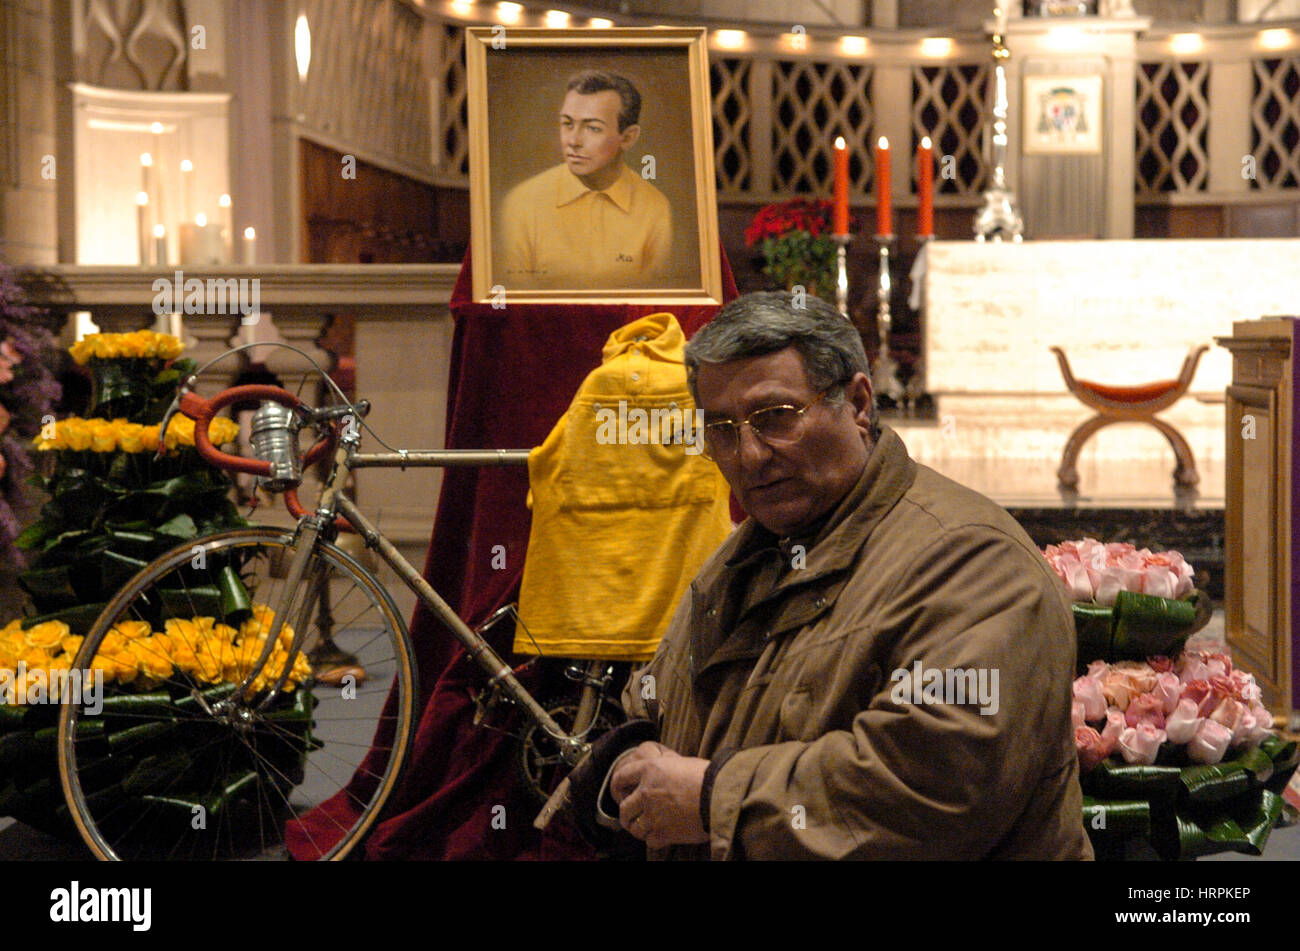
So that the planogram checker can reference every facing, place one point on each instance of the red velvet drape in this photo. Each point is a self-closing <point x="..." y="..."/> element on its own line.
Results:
<point x="513" y="374"/>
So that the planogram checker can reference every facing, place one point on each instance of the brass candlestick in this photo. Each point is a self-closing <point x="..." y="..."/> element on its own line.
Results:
<point x="842" y="273"/>
<point x="885" y="372"/>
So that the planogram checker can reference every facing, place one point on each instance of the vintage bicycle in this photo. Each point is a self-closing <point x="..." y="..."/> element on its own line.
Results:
<point x="217" y="752"/>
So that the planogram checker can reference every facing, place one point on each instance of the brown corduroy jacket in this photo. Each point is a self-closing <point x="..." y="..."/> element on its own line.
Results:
<point x="895" y="687"/>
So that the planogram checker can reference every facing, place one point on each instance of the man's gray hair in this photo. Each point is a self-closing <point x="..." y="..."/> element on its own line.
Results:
<point x="768" y="321"/>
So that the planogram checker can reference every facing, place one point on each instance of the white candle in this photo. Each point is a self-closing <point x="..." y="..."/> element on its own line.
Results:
<point x="160" y="244"/>
<point x="187" y="187"/>
<point x="227" y="229"/>
<point x="201" y="243"/>
<point x="250" y="246"/>
<point x="146" y="174"/>
<point x="157" y="197"/>
<point x="141" y="227"/>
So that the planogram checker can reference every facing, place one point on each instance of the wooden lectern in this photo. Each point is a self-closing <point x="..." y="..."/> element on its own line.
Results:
<point x="1262" y="485"/>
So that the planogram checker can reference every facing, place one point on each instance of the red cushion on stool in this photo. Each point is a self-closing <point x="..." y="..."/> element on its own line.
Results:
<point x="1142" y="393"/>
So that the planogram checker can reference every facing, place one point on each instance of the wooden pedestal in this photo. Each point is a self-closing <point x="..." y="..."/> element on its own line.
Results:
<point x="1261" y="590"/>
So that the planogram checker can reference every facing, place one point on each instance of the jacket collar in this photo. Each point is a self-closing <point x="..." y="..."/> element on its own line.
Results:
<point x="802" y="595"/>
<point x="887" y="475"/>
<point x="658" y="333"/>
<point x="570" y="188"/>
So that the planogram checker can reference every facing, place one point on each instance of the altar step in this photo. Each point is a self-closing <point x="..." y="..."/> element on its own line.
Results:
<point x="1008" y="447"/>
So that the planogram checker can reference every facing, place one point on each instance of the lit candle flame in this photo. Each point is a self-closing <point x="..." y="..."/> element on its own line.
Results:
<point x="159" y="231"/>
<point x="146" y="159"/>
<point x="883" y="143"/>
<point x="187" y="165"/>
<point x="142" y="198"/>
<point x="839" y="142"/>
<point x="201" y="220"/>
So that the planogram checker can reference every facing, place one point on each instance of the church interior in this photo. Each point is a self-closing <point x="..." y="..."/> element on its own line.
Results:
<point x="1071" y="248"/>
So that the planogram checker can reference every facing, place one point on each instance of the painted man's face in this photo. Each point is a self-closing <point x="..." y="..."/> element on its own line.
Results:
<point x="589" y="135"/>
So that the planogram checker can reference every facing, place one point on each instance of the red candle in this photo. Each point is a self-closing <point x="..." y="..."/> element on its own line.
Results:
<point x="925" y="188"/>
<point x="840" y="217"/>
<point x="884" y="215"/>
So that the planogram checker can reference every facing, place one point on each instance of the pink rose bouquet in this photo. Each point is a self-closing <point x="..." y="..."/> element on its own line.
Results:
<point x="1199" y="703"/>
<point x="1096" y="572"/>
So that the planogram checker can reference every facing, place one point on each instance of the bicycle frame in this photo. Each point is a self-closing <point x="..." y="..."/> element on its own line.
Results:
<point x="332" y="503"/>
<point x="333" y="506"/>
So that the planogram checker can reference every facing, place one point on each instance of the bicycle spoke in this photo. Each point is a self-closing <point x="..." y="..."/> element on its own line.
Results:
<point x="258" y="772"/>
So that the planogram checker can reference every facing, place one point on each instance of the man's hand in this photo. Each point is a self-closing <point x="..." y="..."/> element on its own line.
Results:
<point x="658" y="795"/>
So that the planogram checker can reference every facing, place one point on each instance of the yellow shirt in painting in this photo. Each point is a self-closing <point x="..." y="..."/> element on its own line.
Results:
<point x="625" y="509"/>
<point x="561" y="234"/>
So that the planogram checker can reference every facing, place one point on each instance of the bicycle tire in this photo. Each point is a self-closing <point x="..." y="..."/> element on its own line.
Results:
<point x="139" y="773"/>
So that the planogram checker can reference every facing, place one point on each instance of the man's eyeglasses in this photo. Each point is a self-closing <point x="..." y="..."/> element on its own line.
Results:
<point x="776" y="425"/>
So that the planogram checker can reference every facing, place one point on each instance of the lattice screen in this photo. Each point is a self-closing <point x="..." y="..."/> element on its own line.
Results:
<point x="812" y="102"/>
<point x="1275" y="123"/>
<point x="1173" y="114"/>
<point x="453" y="122"/>
<point x="950" y="105"/>
<point x="731" y="124"/>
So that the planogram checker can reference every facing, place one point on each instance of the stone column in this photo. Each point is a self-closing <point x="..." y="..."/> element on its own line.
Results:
<point x="28" y="171"/>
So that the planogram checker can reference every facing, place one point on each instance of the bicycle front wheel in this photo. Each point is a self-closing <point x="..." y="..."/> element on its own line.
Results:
<point x="164" y="757"/>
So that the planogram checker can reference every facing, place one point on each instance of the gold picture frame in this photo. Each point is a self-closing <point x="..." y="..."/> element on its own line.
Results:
<point x="540" y="201"/>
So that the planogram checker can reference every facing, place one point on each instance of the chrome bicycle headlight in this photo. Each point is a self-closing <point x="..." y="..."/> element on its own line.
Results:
<point x="275" y="440"/>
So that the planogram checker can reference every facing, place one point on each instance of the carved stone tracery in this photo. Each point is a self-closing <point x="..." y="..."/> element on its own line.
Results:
<point x="133" y="44"/>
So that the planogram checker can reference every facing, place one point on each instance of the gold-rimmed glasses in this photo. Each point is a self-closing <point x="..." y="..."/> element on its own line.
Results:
<point x="776" y="425"/>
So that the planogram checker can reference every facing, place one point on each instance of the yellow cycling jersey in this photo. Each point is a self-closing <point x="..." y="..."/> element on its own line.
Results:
<point x="625" y="509"/>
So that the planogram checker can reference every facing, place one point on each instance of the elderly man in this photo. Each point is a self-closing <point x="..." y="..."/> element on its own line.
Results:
<point x="590" y="221"/>
<point x="877" y="663"/>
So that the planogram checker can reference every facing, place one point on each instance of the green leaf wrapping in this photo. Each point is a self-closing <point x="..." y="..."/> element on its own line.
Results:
<point x="1147" y="625"/>
<point x="1218" y="781"/>
<point x="1242" y="825"/>
<point x="1231" y="805"/>
<point x="236" y="605"/>
<point x="1093" y="626"/>
<point x="79" y="619"/>
<point x="1285" y="754"/>
<point x="1117" y="817"/>
<point x="1118" y="780"/>
<point x="204" y="601"/>
<point x="1137" y="627"/>
<point x="32" y="536"/>
<point x="150" y="756"/>
<point x="50" y="587"/>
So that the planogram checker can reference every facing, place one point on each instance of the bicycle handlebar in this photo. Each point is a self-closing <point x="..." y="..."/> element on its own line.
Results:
<point x="202" y="411"/>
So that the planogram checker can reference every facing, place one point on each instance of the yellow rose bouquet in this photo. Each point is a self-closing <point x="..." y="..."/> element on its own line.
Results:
<point x="144" y="685"/>
<point x="114" y="503"/>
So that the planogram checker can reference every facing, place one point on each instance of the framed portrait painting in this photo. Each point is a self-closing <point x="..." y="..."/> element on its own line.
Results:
<point x="591" y="166"/>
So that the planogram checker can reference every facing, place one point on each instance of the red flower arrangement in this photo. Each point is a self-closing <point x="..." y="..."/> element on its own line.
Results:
<point x="795" y="239"/>
<point x="812" y="215"/>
